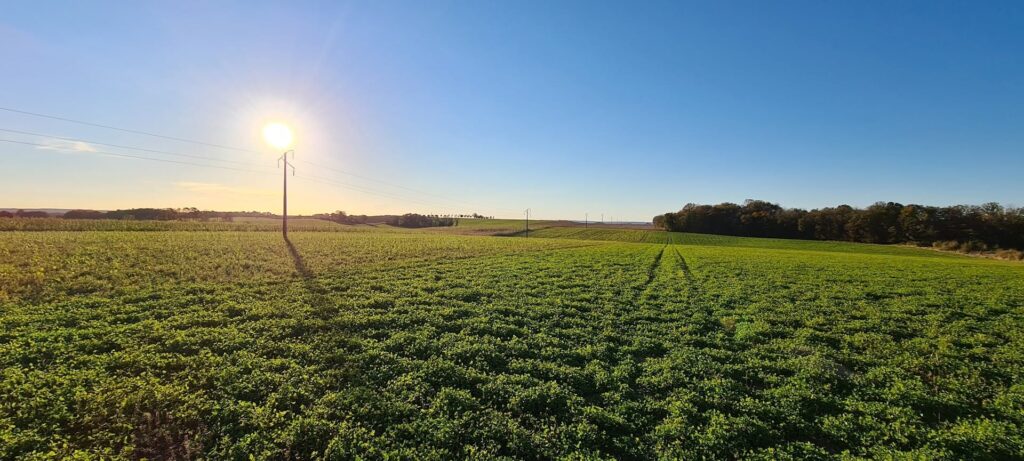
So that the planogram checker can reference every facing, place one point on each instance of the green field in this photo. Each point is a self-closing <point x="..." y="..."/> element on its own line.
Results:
<point x="680" y="238"/>
<point x="378" y="343"/>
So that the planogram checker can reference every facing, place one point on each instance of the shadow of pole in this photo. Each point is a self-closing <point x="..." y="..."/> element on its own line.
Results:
<point x="318" y="294"/>
<point x="300" y="264"/>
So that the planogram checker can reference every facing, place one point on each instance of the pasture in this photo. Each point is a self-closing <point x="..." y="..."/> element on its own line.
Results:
<point x="373" y="342"/>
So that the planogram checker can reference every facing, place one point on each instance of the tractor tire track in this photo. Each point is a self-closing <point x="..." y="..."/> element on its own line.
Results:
<point x="697" y="300"/>
<point x="687" y="273"/>
<point x="652" y="274"/>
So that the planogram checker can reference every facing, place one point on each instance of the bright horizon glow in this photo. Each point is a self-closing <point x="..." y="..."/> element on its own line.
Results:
<point x="278" y="135"/>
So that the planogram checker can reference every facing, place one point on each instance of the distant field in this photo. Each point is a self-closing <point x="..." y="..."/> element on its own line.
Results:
<point x="493" y="226"/>
<point x="379" y="343"/>
<point x="681" y="238"/>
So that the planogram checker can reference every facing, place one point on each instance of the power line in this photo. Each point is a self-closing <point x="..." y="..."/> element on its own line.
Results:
<point x="143" y="149"/>
<point x="137" y="157"/>
<point x="317" y="179"/>
<point x="182" y="155"/>
<point x="204" y="143"/>
<point x="126" y="130"/>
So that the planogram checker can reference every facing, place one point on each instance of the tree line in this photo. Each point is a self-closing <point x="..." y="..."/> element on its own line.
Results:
<point x="142" y="214"/>
<point x="414" y="220"/>
<point x="411" y="220"/>
<point x="24" y="214"/>
<point x="342" y="217"/>
<point x="963" y="227"/>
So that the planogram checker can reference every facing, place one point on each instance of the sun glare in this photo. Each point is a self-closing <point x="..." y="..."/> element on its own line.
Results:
<point x="277" y="135"/>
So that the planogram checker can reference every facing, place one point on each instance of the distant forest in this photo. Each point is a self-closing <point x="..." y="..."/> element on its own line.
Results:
<point x="411" y="220"/>
<point x="161" y="214"/>
<point x="962" y="227"/>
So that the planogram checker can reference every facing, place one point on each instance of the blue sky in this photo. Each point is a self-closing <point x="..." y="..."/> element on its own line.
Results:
<point x="629" y="109"/>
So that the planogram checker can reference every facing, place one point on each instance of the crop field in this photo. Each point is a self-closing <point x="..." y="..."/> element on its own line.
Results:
<point x="499" y="227"/>
<point x="585" y="344"/>
<point x="680" y="238"/>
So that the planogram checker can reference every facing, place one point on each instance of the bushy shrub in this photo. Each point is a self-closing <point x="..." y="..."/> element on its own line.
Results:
<point x="1012" y="255"/>
<point x="947" y="245"/>
<point x="972" y="246"/>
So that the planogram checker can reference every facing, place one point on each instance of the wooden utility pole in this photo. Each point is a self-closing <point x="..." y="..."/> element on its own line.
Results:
<point x="284" y="207"/>
<point x="527" y="222"/>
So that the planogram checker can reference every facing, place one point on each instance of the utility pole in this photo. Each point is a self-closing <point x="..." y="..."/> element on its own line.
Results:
<point x="284" y="207"/>
<point x="586" y="220"/>
<point x="527" y="222"/>
<point x="280" y="137"/>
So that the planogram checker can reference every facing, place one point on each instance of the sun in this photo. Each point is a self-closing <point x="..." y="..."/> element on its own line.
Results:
<point x="278" y="135"/>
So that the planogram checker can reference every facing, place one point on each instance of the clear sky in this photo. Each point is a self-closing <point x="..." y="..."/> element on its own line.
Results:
<point x="629" y="109"/>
